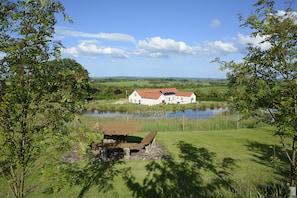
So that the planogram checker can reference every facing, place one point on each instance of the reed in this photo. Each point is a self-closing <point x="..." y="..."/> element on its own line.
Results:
<point x="224" y="121"/>
<point x="111" y="105"/>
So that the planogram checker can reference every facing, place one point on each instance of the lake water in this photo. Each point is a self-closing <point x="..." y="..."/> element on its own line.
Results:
<point x="194" y="114"/>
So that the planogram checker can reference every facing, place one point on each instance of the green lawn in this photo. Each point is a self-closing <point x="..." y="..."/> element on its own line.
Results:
<point x="226" y="163"/>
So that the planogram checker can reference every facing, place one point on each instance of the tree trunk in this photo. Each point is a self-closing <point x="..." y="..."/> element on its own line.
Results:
<point x="293" y="161"/>
<point x="292" y="184"/>
<point x="21" y="183"/>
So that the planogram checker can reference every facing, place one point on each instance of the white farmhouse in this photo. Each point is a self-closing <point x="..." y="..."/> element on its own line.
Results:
<point x="161" y="96"/>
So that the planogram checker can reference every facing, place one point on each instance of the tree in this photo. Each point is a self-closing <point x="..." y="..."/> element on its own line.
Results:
<point x="37" y="97"/>
<point x="266" y="81"/>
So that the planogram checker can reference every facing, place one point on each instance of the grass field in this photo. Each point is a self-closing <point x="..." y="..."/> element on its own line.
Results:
<point x="225" y="163"/>
<point x="143" y="82"/>
<point x="202" y="87"/>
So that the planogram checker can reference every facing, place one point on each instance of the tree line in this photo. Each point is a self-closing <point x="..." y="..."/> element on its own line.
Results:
<point x="100" y="90"/>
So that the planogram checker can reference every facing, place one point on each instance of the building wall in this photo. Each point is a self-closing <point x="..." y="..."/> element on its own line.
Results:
<point x="167" y="99"/>
<point x="135" y="98"/>
<point x="185" y="99"/>
<point x="146" y="101"/>
<point x="170" y="99"/>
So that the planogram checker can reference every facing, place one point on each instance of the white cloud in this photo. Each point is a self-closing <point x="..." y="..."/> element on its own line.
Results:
<point x="215" y="23"/>
<point x="292" y="14"/>
<point x="280" y="13"/>
<point x="220" y="47"/>
<point x="259" y="41"/>
<point x="89" y="48"/>
<point x="72" y="51"/>
<point x="118" y="37"/>
<point x="2" y="55"/>
<point x="255" y="41"/>
<point x="159" y="47"/>
<point x="151" y="47"/>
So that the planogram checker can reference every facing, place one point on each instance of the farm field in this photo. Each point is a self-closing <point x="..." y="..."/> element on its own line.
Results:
<point x="150" y="82"/>
<point x="229" y="163"/>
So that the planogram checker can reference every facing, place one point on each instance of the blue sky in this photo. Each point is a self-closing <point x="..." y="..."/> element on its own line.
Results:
<point x="155" y="38"/>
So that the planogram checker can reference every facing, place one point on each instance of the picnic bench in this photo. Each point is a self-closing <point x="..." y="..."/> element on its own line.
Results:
<point x="148" y="142"/>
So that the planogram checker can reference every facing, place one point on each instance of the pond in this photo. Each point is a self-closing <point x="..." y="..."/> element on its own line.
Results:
<point x="188" y="113"/>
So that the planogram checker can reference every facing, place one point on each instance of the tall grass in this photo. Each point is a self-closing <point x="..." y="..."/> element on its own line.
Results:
<point x="110" y="105"/>
<point x="219" y="122"/>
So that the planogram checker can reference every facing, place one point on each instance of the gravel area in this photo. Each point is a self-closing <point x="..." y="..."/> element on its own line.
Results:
<point x="158" y="152"/>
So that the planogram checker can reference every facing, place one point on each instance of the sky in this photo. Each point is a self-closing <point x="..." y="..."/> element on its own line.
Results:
<point x="155" y="38"/>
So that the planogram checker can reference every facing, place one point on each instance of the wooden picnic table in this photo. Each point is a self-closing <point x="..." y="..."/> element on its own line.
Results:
<point x="117" y="132"/>
<point x="115" y="137"/>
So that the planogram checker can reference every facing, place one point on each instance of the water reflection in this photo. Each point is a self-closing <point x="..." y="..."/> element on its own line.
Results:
<point x="198" y="114"/>
<point x="188" y="113"/>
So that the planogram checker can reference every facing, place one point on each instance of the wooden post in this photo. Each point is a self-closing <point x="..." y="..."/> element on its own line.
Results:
<point x="237" y="123"/>
<point x="154" y="143"/>
<point x="126" y="153"/>
<point x="148" y="148"/>
<point x="103" y="154"/>
<point x="184" y="121"/>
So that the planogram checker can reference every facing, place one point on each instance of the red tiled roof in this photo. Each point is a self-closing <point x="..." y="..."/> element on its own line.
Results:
<point x="186" y="94"/>
<point x="149" y="93"/>
<point x="156" y="93"/>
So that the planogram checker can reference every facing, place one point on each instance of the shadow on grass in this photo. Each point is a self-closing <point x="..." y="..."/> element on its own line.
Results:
<point x="269" y="155"/>
<point x="184" y="177"/>
<point x="272" y="156"/>
<point x="95" y="174"/>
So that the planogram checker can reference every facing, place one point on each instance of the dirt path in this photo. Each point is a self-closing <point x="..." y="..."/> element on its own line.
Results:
<point x="121" y="101"/>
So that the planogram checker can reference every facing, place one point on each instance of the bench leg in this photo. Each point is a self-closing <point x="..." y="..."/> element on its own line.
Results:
<point x="148" y="149"/>
<point x="126" y="153"/>
<point x="153" y="143"/>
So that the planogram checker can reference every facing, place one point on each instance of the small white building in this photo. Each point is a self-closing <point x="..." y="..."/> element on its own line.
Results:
<point x="161" y="96"/>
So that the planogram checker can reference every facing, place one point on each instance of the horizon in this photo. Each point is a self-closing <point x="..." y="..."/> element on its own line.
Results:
<point x="154" y="77"/>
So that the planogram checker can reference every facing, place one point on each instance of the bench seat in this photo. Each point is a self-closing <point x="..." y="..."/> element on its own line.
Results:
<point x="147" y="142"/>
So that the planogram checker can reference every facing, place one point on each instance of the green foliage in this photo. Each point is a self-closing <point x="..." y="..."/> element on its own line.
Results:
<point x="265" y="82"/>
<point x="37" y="97"/>
<point x="116" y="88"/>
